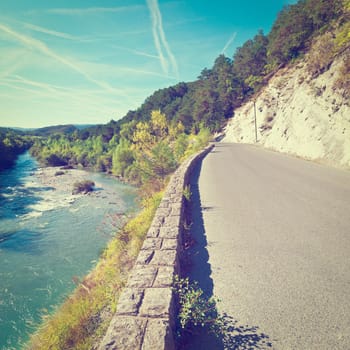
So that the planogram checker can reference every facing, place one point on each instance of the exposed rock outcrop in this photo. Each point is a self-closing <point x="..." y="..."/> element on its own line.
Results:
<point x="299" y="115"/>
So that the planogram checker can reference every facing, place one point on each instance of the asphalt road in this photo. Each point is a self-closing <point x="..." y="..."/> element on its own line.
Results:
<point x="278" y="238"/>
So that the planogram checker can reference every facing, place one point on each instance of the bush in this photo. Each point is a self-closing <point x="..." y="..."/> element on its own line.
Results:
<point x="55" y="160"/>
<point x="83" y="187"/>
<point x="59" y="172"/>
<point x="342" y="83"/>
<point x="321" y="55"/>
<point x="196" y="311"/>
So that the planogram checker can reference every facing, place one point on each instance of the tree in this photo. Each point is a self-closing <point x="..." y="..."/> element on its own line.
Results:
<point x="159" y="124"/>
<point x="123" y="157"/>
<point x="249" y="63"/>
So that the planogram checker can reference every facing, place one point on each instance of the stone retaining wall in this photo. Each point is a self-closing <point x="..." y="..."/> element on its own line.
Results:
<point x="144" y="319"/>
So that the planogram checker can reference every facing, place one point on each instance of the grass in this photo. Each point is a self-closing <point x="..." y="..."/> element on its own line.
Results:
<point x="82" y="320"/>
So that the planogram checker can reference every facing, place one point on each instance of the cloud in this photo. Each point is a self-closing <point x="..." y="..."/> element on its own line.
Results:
<point x="229" y="42"/>
<point x="38" y="45"/>
<point x="12" y="61"/>
<point x="145" y="72"/>
<point x="60" y="102"/>
<point x="93" y="10"/>
<point x="165" y="55"/>
<point x="64" y="94"/>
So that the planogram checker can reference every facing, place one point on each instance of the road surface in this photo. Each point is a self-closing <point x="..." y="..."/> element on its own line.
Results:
<point x="278" y="237"/>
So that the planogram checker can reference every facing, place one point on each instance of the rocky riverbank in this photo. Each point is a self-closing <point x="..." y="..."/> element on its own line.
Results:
<point x="62" y="180"/>
<point x="54" y="188"/>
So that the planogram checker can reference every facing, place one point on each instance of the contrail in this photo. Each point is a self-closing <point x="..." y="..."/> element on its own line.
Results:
<point x="136" y="52"/>
<point x="41" y="47"/>
<point x="160" y="42"/>
<point x="229" y="42"/>
<point x="49" y="31"/>
<point x="93" y="10"/>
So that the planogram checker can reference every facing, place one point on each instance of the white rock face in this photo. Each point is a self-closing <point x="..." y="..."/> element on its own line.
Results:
<point x="298" y="115"/>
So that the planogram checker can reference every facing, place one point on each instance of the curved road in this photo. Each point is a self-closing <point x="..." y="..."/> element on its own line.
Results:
<point x="278" y="233"/>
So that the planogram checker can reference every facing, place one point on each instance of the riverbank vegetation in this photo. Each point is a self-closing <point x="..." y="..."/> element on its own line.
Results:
<point x="143" y="153"/>
<point x="12" y="143"/>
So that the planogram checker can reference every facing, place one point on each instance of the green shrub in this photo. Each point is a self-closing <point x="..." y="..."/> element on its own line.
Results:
<point x="197" y="311"/>
<point x="55" y="160"/>
<point x="187" y="193"/>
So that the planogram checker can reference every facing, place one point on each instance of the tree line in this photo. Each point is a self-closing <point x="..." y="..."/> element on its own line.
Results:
<point x="143" y="153"/>
<point x="149" y="142"/>
<point x="12" y="143"/>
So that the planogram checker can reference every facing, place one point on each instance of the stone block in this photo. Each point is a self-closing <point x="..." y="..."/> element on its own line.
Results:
<point x="142" y="276"/>
<point x="145" y="257"/>
<point x="164" y="258"/>
<point x="158" y="336"/>
<point x="164" y="277"/>
<point x="157" y="221"/>
<point x="157" y="302"/>
<point x="153" y="231"/>
<point x="164" y="203"/>
<point x="176" y="209"/>
<point x="151" y="243"/>
<point x="124" y="333"/>
<point x="169" y="232"/>
<point x="129" y="301"/>
<point x="173" y="222"/>
<point x="163" y="212"/>
<point x="169" y="244"/>
<point x="177" y="197"/>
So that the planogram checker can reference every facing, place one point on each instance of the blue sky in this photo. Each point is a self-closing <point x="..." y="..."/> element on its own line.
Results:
<point x="89" y="61"/>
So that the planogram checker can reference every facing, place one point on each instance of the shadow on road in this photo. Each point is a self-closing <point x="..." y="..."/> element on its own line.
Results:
<point x="197" y="268"/>
<point x="238" y="337"/>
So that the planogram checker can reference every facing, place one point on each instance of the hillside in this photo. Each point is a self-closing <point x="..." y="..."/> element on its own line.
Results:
<point x="300" y="114"/>
<point x="55" y="129"/>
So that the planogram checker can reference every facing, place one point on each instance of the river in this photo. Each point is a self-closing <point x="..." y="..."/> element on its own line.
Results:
<point x="48" y="239"/>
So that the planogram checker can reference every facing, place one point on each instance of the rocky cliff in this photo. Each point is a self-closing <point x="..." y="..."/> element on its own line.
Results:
<point x="301" y="113"/>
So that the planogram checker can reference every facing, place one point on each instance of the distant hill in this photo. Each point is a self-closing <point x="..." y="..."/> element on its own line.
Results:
<point x="84" y="126"/>
<point x="55" y="129"/>
<point x="49" y="130"/>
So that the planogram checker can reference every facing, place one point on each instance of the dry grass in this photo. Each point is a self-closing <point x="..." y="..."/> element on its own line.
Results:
<point x="81" y="321"/>
<point x="342" y="83"/>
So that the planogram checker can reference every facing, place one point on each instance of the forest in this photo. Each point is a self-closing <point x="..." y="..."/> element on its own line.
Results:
<point x="148" y="143"/>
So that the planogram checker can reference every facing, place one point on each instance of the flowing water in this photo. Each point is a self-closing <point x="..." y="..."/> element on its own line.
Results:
<point x="48" y="239"/>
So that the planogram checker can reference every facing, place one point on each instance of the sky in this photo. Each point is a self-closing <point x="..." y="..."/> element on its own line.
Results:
<point x="89" y="61"/>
